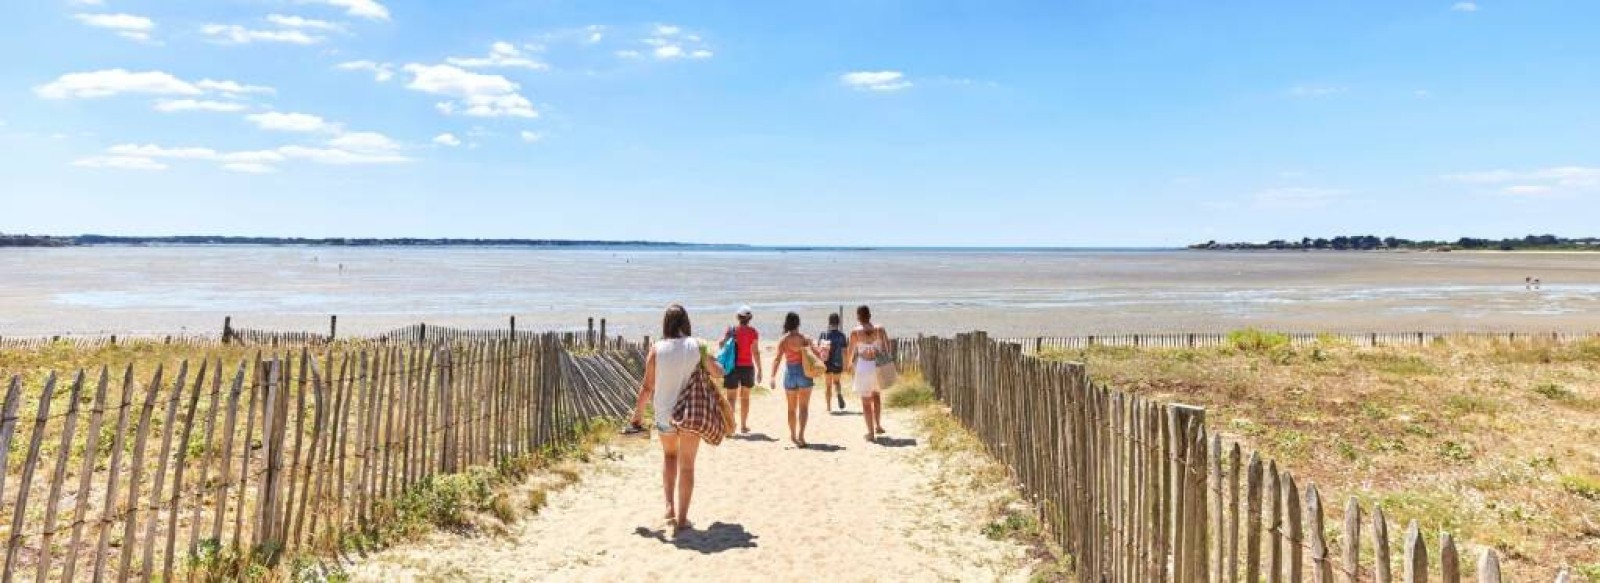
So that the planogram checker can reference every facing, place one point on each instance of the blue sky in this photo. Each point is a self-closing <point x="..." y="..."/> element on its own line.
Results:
<point x="1100" y="122"/>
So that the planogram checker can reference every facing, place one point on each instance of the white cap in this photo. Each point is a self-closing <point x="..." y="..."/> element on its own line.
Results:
<point x="743" y="311"/>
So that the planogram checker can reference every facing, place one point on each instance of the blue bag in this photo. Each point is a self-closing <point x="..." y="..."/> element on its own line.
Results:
<point x="728" y="356"/>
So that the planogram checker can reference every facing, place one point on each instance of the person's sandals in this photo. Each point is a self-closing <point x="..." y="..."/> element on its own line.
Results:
<point x="881" y="431"/>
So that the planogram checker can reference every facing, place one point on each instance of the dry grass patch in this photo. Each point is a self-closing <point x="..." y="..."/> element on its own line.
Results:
<point x="1498" y="442"/>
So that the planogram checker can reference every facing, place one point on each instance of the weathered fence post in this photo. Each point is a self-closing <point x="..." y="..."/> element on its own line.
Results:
<point x="603" y="331"/>
<point x="333" y="327"/>
<point x="589" y="340"/>
<point x="227" y="329"/>
<point x="513" y="327"/>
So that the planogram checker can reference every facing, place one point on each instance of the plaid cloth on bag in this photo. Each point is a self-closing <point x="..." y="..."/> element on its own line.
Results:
<point x="700" y="409"/>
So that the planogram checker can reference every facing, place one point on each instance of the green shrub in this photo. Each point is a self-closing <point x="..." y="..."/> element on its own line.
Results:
<point x="1582" y="487"/>
<point x="1553" y="392"/>
<point x="1257" y="341"/>
<point x="910" y="393"/>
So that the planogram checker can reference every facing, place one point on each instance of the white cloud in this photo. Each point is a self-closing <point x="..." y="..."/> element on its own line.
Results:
<point x="531" y="137"/>
<point x="337" y="157"/>
<point x="1315" y="91"/>
<point x="176" y="105"/>
<point x="1541" y="181"/>
<point x="1297" y="197"/>
<point x="596" y="34"/>
<point x="249" y="168"/>
<point x="447" y="139"/>
<point x="369" y="9"/>
<point x="476" y="94"/>
<point x="125" y="25"/>
<point x="1465" y="7"/>
<point x="238" y="35"/>
<point x="113" y="82"/>
<point x="669" y="42"/>
<point x="365" y="142"/>
<point x="882" y="81"/>
<point x="381" y="72"/>
<point x="1422" y="93"/>
<point x="120" y="163"/>
<point x="1527" y="190"/>
<point x="501" y="54"/>
<point x="231" y="88"/>
<point x="380" y="152"/>
<point x="290" y="21"/>
<point x="291" y="122"/>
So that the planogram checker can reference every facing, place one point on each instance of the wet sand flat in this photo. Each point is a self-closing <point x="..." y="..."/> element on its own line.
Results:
<point x="1013" y="293"/>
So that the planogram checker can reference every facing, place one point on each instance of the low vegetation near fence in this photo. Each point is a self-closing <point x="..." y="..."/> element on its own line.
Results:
<point x="1041" y="344"/>
<point x="1138" y="490"/>
<point x="280" y="454"/>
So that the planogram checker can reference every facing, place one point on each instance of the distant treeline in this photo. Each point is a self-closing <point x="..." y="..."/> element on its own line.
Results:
<point x="50" y="241"/>
<point x="1374" y="243"/>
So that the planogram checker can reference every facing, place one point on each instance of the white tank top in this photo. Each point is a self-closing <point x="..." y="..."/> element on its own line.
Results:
<point x="675" y="361"/>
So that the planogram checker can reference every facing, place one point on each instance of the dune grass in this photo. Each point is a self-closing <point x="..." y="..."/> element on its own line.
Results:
<point x="1497" y="442"/>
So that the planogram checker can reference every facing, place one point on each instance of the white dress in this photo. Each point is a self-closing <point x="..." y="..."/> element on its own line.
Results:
<point x="866" y="379"/>
<point x="675" y="361"/>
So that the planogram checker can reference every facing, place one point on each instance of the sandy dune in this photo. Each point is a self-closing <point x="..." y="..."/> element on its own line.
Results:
<point x="844" y="510"/>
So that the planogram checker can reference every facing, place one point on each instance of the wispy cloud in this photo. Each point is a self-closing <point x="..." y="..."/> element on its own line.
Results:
<point x="234" y="34"/>
<point x="176" y="105"/>
<point x="1465" y="7"/>
<point x="290" y="21"/>
<point x="1316" y="91"/>
<point x="120" y="163"/>
<point x="531" y="137"/>
<point x="292" y="122"/>
<point x="880" y="81"/>
<point x="381" y="72"/>
<point x="668" y="42"/>
<point x="501" y="55"/>
<point x="369" y="9"/>
<point x="447" y="139"/>
<point x="1297" y="197"/>
<point x="137" y="28"/>
<point x="474" y="94"/>
<point x="110" y="82"/>
<point x="1555" y="180"/>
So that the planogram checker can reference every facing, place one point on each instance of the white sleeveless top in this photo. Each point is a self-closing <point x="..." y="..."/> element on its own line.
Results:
<point x="675" y="361"/>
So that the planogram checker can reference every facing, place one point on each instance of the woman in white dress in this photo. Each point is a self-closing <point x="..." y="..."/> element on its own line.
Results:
<point x="667" y="369"/>
<point x="866" y="342"/>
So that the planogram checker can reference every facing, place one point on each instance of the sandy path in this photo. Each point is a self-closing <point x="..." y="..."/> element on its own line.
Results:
<point x="764" y="510"/>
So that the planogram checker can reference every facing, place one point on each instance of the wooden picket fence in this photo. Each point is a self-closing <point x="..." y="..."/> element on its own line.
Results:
<point x="1137" y="490"/>
<point x="1039" y="344"/>
<point x="282" y="453"/>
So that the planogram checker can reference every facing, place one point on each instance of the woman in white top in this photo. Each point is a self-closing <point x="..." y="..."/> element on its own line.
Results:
<point x="866" y="342"/>
<point x="666" y="372"/>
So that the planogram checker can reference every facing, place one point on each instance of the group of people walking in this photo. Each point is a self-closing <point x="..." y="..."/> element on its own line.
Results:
<point x="672" y="363"/>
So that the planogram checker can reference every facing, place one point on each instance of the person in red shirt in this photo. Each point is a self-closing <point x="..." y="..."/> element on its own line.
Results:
<point x="745" y="374"/>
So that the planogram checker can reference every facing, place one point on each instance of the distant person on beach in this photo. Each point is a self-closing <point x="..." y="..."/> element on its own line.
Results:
<point x="796" y="385"/>
<point x="833" y="382"/>
<point x="745" y="374"/>
<point x="667" y="369"/>
<point x="866" y="343"/>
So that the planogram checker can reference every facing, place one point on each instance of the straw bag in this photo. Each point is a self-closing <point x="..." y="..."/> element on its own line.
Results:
<point x="810" y="364"/>
<point x="888" y="374"/>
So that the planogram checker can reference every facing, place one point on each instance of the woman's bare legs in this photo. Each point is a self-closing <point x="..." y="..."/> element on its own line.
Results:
<point x="805" y="412"/>
<point x="866" y="414"/>
<point x="744" y="409"/>
<point x="877" y="411"/>
<point x="669" y="469"/>
<point x="688" y="448"/>
<point x="792" y="398"/>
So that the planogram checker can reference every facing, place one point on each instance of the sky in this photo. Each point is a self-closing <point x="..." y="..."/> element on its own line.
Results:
<point x="830" y="122"/>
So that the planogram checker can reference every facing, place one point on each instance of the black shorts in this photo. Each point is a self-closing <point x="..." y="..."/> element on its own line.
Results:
<point x="835" y="367"/>
<point x="740" y="377"/>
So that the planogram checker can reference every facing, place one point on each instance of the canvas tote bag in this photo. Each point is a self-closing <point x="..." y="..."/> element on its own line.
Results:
<point x="888" y="374"/>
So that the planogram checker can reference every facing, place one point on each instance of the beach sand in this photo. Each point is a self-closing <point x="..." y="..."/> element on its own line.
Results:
<point x="844" y="510"/>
